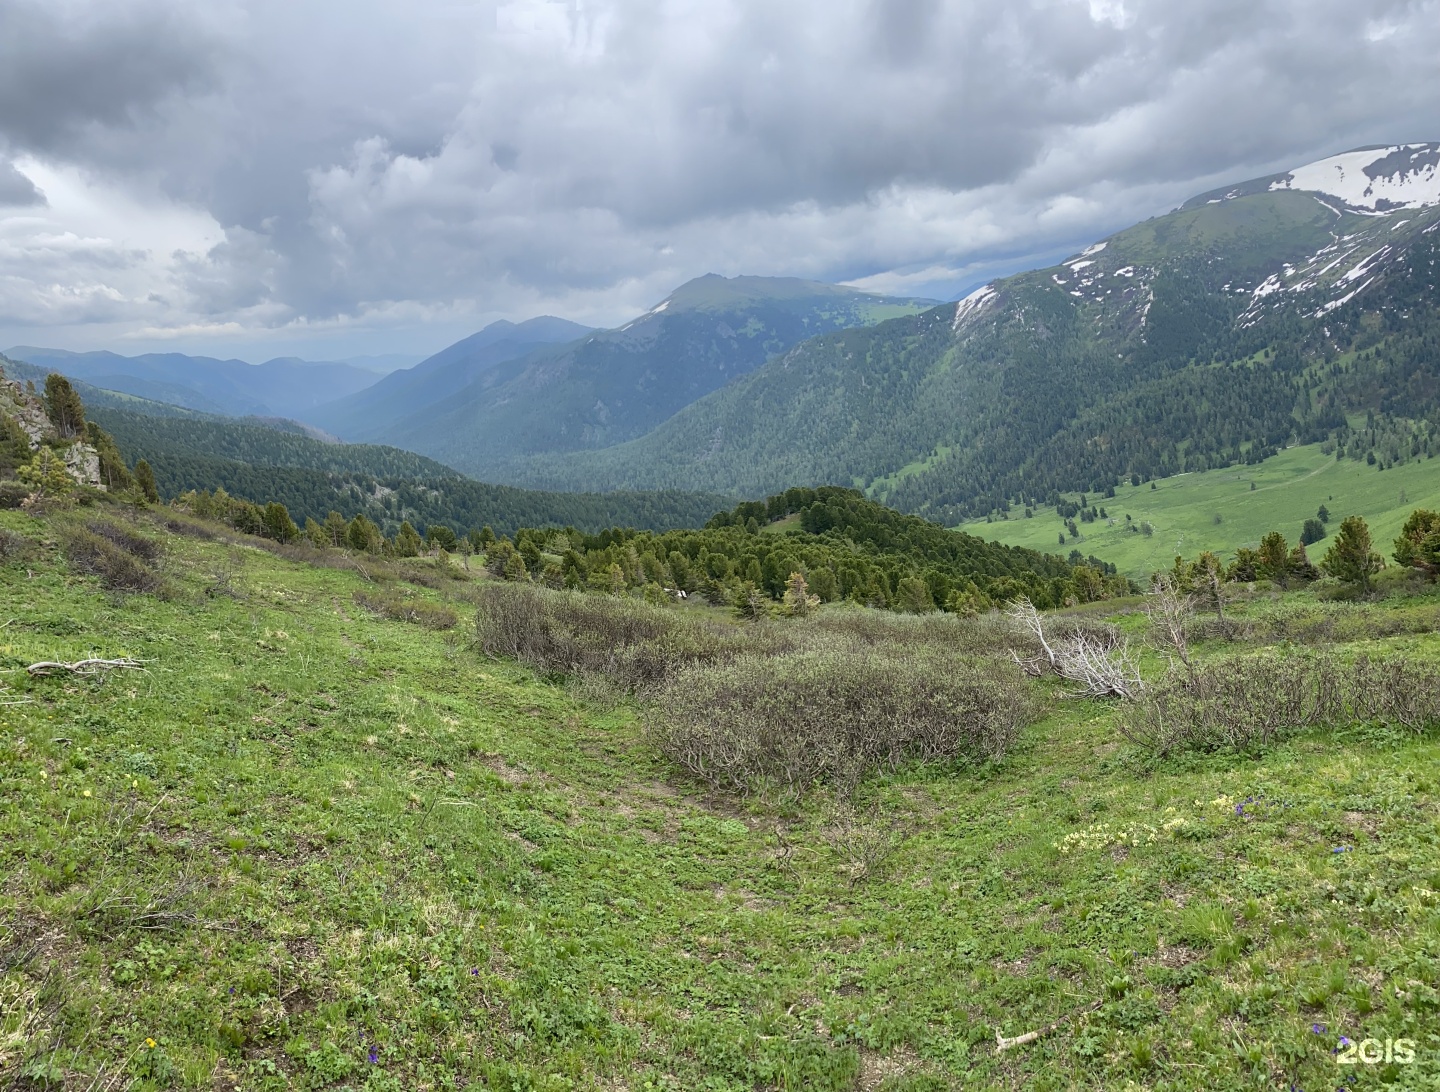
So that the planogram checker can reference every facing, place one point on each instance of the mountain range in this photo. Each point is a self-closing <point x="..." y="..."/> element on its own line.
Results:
<point x="1289" y="308"/>
<point x="283" y="387"/>
<point x="1247" y="319"/>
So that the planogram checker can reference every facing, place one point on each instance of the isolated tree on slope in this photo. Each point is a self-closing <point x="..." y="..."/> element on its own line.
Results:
<point x="145" y="482"/>
<point x="1351" y="557"/>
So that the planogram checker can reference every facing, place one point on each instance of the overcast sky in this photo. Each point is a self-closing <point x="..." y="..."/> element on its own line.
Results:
<point x="328" y="178"/>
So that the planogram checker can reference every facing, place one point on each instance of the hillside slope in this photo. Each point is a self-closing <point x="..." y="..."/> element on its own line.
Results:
<point x="369" y="413"/>
<point x="1210" y="336"/>
<point x="615" y="385"/>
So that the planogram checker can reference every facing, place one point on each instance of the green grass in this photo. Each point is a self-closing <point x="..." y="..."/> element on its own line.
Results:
<point x="306" y="837"/>
<point x="1289" y="488"/>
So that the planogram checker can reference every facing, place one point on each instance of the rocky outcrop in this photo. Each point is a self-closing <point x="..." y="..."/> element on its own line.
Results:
<point x="82" y="461"/>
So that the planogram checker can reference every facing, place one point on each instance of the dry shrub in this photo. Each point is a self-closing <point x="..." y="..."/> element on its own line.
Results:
<point x="16" y="547"/>
<point x="101" y="556"/>
<point x="634" y="644"/>
<point x="191" y="529"/>
<point x="406" y="609"/>
<point x="833" y="715"/>
<point x="981" y="635"/>
<point x="1317" y="624"/>
<point x="1248" y="704"/>
<point x="128" y="539"/>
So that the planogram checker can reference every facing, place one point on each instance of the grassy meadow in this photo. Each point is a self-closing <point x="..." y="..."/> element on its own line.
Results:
<point x="322" y="840"/>
<point x="1289" y="488"/>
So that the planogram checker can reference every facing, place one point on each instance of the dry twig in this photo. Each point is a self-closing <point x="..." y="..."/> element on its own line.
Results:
<point x="84" y="667"/>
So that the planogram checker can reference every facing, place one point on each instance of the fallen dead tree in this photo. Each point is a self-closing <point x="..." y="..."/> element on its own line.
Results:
<point x="1099" y="664"/>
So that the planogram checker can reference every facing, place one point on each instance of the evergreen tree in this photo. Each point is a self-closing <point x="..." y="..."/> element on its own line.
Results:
<point x="1274" y="557"/>
<point x="145" y="482"/>
<point x="46" y="474"/>
<point x="14" y="446"/>
<point x="335" y="528"/>
<point x="407" y="541"/>
<point x="1312" y="532"/>
<point x="437" y="534"/>
<point x="1351" y="557"/>
<point x="63" y="406"/>
<point x="278" y="525"/>
<point x="1419" y="543"/>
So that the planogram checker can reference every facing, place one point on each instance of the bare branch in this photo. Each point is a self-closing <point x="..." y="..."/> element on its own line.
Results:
<point x="84" y="667"/>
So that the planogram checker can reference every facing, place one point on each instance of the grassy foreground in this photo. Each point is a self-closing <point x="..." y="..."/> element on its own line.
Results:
<point x="312" y="848"/>
<point x="1289" y="488"/>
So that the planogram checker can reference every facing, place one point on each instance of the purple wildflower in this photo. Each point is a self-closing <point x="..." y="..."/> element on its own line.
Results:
<point x="374" y="1055"/>
<point x="1318" y="1029"/>
<point x="1239" y="809"/>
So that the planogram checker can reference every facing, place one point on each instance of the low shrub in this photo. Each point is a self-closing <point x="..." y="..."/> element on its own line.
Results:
<point x="1249" y="703"/>
<point x="834" y="715"/>
<point x="634" y="644"/>
<point x="13" y="493"/>
<point x="406" y="609"/>
<point x="117" y="568"/>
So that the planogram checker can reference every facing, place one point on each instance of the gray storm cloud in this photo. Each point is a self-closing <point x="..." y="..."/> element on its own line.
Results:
<point x="374" y="162"/>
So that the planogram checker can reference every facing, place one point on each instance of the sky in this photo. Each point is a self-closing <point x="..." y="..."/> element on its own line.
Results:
<point x="256" y="178"/>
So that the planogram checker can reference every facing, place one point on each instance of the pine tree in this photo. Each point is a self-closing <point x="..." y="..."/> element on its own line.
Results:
<point x="798" y="602"/>
<point x="46" y="474"/>
<point x="145" y="482"/>
<point x="407" y="541"/>
<point x="1351" y="557"/>
<point x="335" y="528"/>
<point x="1274" y="556"/>
<point x="1312" y="532"/>
<point x="63" y="406"/>
<point x="1419" y="543"/>
<point x="279" y="527"/>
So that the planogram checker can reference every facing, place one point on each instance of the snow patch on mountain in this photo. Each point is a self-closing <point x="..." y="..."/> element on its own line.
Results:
<point x="1401" y="176"/>
<point x="973" y="304"/>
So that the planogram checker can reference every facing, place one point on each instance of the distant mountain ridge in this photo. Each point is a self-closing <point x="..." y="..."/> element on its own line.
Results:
<point x="613" y="385"/>
<point x="283" y="387"/>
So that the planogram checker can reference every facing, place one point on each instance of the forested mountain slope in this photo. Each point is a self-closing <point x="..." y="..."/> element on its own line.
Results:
<point x="367" y="414"/>
<point x="1239" y="323"/>
<point x="615" y="385"/>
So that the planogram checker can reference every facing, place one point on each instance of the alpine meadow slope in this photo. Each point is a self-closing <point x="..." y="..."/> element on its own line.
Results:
<point x="1246" y="320"/>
